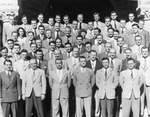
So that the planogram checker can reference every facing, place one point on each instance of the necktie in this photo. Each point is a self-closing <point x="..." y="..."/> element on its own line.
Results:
<point x="115" y="25"/>
<point x="80" y="27"/>
<point x="122" y="31"/>
<point x="105" y="74"/>
<point x="139" y="49"/>
<point x="97" y="24"/>
<point x="111" y="64"/>
<point x="68" y="55"/>
<point x="52" y="55"/>
<point x="57" y="35"/>
<point x="35" y="34"/>
<point x="131" y="74"/>
<point x="93" y="67"/>
<point x="68" y="39"/>
<point x="144" y="63"/>
<point x="120" y="50"/>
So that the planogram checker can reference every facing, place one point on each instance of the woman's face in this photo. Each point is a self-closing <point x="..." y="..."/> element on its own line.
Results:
<point x="21" y="33"/>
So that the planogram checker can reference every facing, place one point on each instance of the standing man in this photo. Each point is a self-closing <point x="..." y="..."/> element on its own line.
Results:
<point x="83" y="80"/>
<point x="131" y="81"/>
<point x="60" y="81"/>
<point x="81" y="25"/>
<point x="34" y="89"/>
<point x="106" y="81"/>
<point x="115" y="24"/>
<point x="10" y="89"/>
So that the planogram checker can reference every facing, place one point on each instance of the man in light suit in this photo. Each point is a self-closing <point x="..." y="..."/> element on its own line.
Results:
<point x="97" y="23"/>
<point x="115" y="24"/>
<point x="34" y="27"/>
<point x="131" y="81"/>
<point x="33" y="47"/>
<point x="83" y="80"/>
<point x="131" y="21"/>
<point x="10" y="90"/>
<point x="66" y="22"/>
<point x="68" y="51"/>
<point x="41" y="19"/>
<point x="106" y="81"/>
<point x="74" y="27"/>
<point x="145" y="69"/>
<point x="90" y="31"/>
<point x="16" y="53"/>
<point x="60" y="81"/>
<point x="122" y="29"/>
<point x="95" y="65"/>
<point x="8" y="28"/>
<point x="81" y="25"/>
<point x="34" y="89"/>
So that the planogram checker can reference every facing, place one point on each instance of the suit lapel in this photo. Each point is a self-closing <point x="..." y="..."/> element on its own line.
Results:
<point x="109" y="73"/>
<point x="36" y="75"/>
<point x="11" y="79"/>
<point x="56" y="76"/>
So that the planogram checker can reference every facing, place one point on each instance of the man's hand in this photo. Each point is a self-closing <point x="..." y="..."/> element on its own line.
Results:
<point x="23" y="97"/>
<point x="42" y="97"/>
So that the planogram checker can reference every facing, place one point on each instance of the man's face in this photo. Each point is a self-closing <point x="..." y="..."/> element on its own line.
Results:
<point x="66" y="20"/>
<point x="90" y="26"/>
<point x="57" y="26"/>
<point x="41" y="18"/>
<point x="83" y="62"/>
<point x="124" y="47"/>
<point x="34" y="24"/>
<point x="30" y="36"/>
<point x="112" y="53"/>
<point x="135" y="29"/>
<point x="24" y="20"/>
<point x="141" y="24"/>
<point x="107" y="47"/>
<point x="48" y="34"/>
<point x="52" y="47"/>
<point x="130" y="64"/>
<point x="11" y="20"/>
<point x="122" y="23"/>
<point x="58" y="19"/>
<point x="79" y="40"/>
<point x="58" y="43"/>
<point x="4" y="53"/>
<point x="14" y="36"/>
<point x="51" y="21"/>
<point x="21" y="32"/>
<point x="58" y="64"/>
<point x="33" y="47"/>
<point x="57" y="53"/>
<point x="39" y="55"/>
<point x="39" y="43"/>
<point x="113" y="16"/>
<point x="16" y="49"/>
<point x="83" y="34"/>
<point x="120" y="42"/>
<point x="75" y="52"/>
<point x="68" y="48"/>
<point x="116" y="35"/>
<point x="33" y="64"/>
<point x="93" y="56"/>
<point x="138" y="41"/>
<point x="145" y="52"/>
<point x="99" y="39"/>
<point x="131" y="17"/>
<point x="96" y="17"/>
<point x="75" y="24"/>
<point x="110" y="33"/>
<point x="67" y="31"/>
<point x="41" y="30"/>
<point x="105" y="64"/>
<point x="128" y="53"/>
<point x="96" y="32"/>
<point x="88" y="47"/>
<point x="10" y="44"/>
<point x="24" y="55"/>
<point x="8" y="66"/>
<point x="107" y="22"/>
<point x="80" y="18"/>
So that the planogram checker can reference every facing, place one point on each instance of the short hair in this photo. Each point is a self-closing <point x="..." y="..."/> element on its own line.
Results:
<point x="32" y="43"/>
<point x="30" y="32"/>
<point x="40" y="14"/>
<point x="96" y="14"/>
<point x="141" y="20"/>
<point x="131" y="13"/>
<point x="99" y="35"/>
<point x="23" y="16"/>
<point x="99" y="30"/>
<point x="58" y="59"/>
<point x="113" y="12"/>
<point x="131" y="59"/>
<point x="105" y="58"/>
<point x="41" y="26"/>
<point x="58" y="39"/>
<point x="14" y="32"/>
<point x="33" y="20"/>
<point x="24" y="51"/>
<point x="94" y="51"/>
<point x="34" y="58"/>
<point x="110" y="29"/>
<point x="38" y="39"/>
<point x="144" y="47"/>
<point x="66" y="16"/>
<point x="121" y="38"/>
<point x="48" y="30"/>
<point x="88" y="43"/>
<point x="68" y="43"/>
<point x="128" y="49"/>
<point x="7" y="60"/>
<point x="82" y="30"/>
<point x="53" y="42"/>
<point x="107" y="17"/>
<point x="135" y="25"/>
<point x="116" y="31"/>
<point x="123" y="19"/>
<point x="68" y="27"/>
<point x="17" y="44"/>
<point x="138" y="36"/>
<point x="38" y="50"/>
<point x="3" y="48"/>
<point x="79" y="36"/>
<point x="82" y="57"/>
<point x="10" y="40"/>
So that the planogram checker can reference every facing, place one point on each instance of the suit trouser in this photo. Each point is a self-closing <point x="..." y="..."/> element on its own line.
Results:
<point x="64" y="106"/>
<point x="85" y="102"/>
<point x="107" y="106"/>
<point x="131" y="104"/>
<point x="7" y="106"/>
<point x="36" y="102"/>
<point x="97" y="104"/>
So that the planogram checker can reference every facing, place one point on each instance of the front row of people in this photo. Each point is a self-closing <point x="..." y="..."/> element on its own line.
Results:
<point x="34" y="88"/>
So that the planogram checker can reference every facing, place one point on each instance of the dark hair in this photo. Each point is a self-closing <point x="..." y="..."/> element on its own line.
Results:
<point x="7" y="60"/>
<point x="105" y="58"/>
<point x="24" y="32"/>
<point x="82" y="57"/>
<point x="135" y="25"/>
<point x="68" y="44"/>
<point x="79" y="36"/>
<point x="58" y="59"/>
<point x="32" y="43"/>
<point x="38" y="50"/>
<point x="130" y="59"/>
<point x="93" y="51"/>
<point x="24" y="50"/>
<point x="99" y="30"/>
<point x="10" y="40"/>
<point x="82" y="30"/>
<point x="24" y="16"/>
<point x="17" y="44"/>
<point x="41" y="26"/>
<point x="3" y="48"/>
<point x="53" y="42"/>
<point x="116" y="31"/>
<point x="88" y="43"/>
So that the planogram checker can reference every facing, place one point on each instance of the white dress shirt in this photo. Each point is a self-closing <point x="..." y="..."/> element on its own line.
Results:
<point x="59" y="73"/>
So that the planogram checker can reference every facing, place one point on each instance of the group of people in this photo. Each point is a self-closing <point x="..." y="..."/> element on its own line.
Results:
<point x="75" y="69"/>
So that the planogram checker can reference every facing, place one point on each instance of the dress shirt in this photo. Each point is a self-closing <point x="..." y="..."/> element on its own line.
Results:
<point x="82" y="69"/>
<point x="93" y="64"/>
<point x="59" y="73"/>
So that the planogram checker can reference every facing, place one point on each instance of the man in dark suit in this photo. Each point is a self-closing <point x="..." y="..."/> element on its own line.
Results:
<point x="42" y="35"/>
<point x="95" y="65"/>
<point x="33" y="47"/>
<point x="10" y="89"/>
<point x="128" y="53"/>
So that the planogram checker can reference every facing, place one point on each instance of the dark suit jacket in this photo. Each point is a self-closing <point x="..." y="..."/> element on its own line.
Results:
<point x="44" y="66"/>
<point x="30" y="56"/>
<point x="124" y="64"/>
<point x="38" y="37"/>
<point x="97" y="66"/>
<point x="10" y="90"/>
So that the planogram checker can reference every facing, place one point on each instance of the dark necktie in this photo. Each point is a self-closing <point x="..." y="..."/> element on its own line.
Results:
<point x="97" y="24"/>
<point x="122" y="31"/>
<point x="35" y="34"/>
<point x="120" y="49"/>
<point x="105" y="74"/>
<point x="131" y="74"/>
<point x="57" y="35"/>
<point x="115" y="25"/>
<point x="80" y="27"/>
